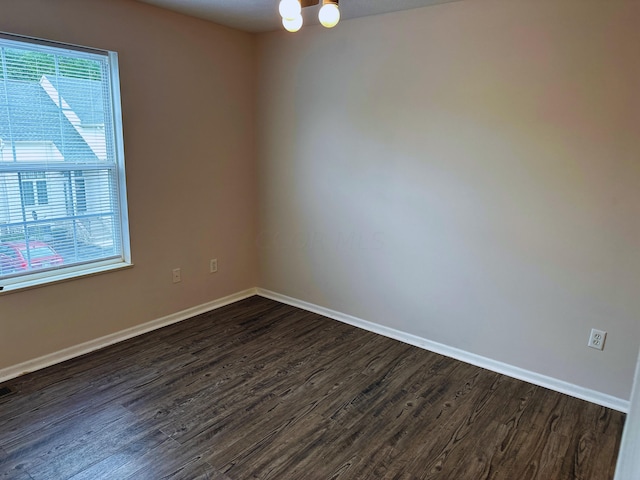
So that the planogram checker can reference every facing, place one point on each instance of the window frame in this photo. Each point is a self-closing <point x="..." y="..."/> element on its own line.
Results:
<point x="34" y="189"/>
<point x="33" y="279"/>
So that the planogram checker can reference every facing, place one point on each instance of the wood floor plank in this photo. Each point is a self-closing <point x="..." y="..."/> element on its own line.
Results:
<point x="165" y="461"/>
<point x="262" y="390"/>
<point x="58" y="406"/>
<point x="70" y="446"/>
<point x="129" y="451"/>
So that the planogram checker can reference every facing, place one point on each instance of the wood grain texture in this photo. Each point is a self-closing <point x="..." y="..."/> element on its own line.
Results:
<point x="262" y="390"/>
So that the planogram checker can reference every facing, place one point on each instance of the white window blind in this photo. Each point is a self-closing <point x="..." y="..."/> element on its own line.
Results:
<point x="62" y="197"/>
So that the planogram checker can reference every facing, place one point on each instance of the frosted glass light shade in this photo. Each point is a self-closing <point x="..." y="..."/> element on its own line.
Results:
<point x="292" y="25"/>
<point x="329" y="15"/>
<point x="289" y="9"/>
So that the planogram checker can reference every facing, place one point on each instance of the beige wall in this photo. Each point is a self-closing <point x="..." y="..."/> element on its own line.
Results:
<point x="188" y="108"/>
<point x="468" y="173"/>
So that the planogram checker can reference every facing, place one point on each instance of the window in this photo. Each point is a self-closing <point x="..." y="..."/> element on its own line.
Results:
<point x="81" y="193"/>
<point x="62" y="184"/>
<point x="34" y="191"/>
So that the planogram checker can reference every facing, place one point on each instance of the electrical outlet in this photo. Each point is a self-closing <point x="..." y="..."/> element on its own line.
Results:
<point x="176" y="275"/>
<point x="213" y="265"/>
<point x="596" y="339"/>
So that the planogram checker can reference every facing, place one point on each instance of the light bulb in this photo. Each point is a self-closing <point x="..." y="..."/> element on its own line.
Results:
<point x="329" y="15"/>
<point x="289" y="9"/>
<point x="292" y="25"/>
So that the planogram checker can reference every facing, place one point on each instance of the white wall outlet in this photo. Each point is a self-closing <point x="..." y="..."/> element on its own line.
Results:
<point x="176" y="275"/>
<point x="213" y="265"/>
<point x="596" y="339"/>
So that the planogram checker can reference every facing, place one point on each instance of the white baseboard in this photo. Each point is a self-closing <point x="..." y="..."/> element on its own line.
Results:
<point x="93" y="345"/>
<point x="561" y="386"/>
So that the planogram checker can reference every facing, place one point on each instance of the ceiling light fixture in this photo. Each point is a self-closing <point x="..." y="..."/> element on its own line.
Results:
<point x="291" y="13"/>
<point x="289" y="9"/>
<point x="329" y="15"/>
<point x="292" y="24"/>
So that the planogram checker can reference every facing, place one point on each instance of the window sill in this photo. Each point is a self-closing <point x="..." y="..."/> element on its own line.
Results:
<point x="29" y="284"/>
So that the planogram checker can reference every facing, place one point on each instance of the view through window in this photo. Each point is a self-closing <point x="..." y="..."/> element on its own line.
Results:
<point x="62" y="199"/>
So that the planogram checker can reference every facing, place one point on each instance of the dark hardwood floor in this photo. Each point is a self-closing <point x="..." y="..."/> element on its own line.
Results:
<point x="262" y="390"/>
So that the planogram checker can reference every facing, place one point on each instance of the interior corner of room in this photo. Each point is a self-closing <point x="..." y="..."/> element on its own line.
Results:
<point x="463" y="177"/>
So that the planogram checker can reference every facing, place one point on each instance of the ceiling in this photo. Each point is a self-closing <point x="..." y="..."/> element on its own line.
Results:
<point x="262" y="15"/>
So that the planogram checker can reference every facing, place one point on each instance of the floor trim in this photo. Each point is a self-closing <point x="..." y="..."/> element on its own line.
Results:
<point x="92" y="345"/>
<point x="561" y="386"/>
